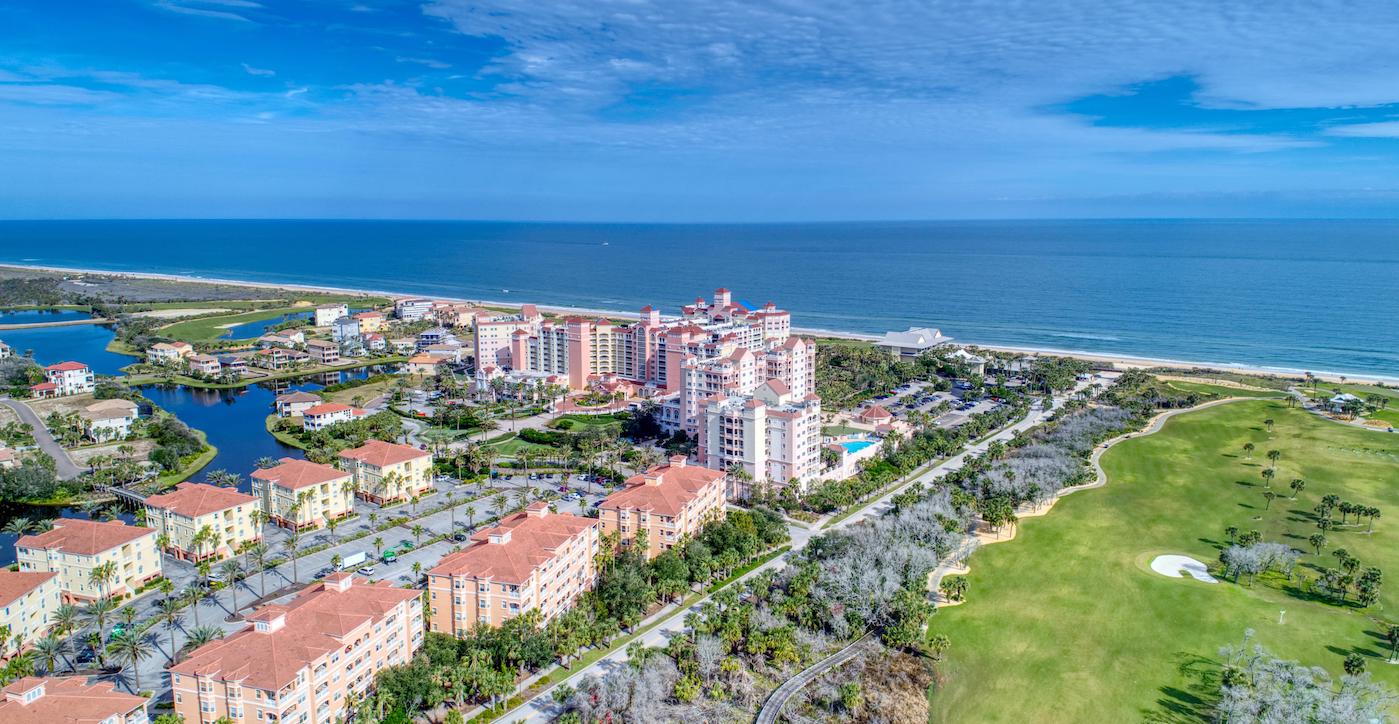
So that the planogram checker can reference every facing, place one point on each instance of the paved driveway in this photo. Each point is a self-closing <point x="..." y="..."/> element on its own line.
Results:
<point x="64" y="465"/>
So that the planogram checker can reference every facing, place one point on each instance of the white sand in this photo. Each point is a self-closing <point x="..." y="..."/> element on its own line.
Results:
<point x="1181" y="566"/>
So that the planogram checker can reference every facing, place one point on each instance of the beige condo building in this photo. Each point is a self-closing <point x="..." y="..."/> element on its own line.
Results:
<point x="387" y="472"/>
<point x="182" y="517"/>
<point x="665" y="505"/>
<point x="303" y="495"/>
<point x="28" y="600"/>
<point x="74" y="547"/>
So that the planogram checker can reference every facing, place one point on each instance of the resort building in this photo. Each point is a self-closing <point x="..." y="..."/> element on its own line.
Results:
<point x="326" y="414"/>
<point x="326" y="314"/>
<point x="198" y="522"/>
<point x="975" y="364"/>
<point x="204" y="364"/>
<point x="306" y="661"/>
<point x="65" y="378"/>
<point x="412" y="310"/>
<point x="28" y="600"/>
<point x="70" y="700"/>
<point x="911" y="342"/>
<point x="303" y="495"/>
<point x="370" y="321"/>
<point x="323" y="352"/>
<point x="874" y="415"/>
<point x="107" y="420"/>
<point x="532" y="560"/>
<point x="295" y="403"/>
<point x="773" y="435"/>
<point x="168" y="353"/>
<point x="386" y="472"/>
<point x="74" y="547"/>
<point x="425" y="364"/>
<point x="665" y="505"/>
<point x="654" y="354"/>
<point x="450" y="314"/>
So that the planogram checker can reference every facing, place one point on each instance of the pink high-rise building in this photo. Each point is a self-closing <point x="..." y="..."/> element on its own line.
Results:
<point x="773" y="434"/>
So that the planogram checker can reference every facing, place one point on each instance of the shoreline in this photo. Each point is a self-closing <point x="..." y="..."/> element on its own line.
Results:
<point x="1119" y="361"/>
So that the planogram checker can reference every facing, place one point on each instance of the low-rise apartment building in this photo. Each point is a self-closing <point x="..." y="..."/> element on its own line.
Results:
<point x="323" y="352"/>
<point x="532" y="560"/>
<point x="28" y="600"/>
<point x="369" y="321"/>
<point x="412" y="310"/>
<point x="74" y="547"/>
<point x="307" y="661"/>
<point x="303" y="495"/>
<point x="665" y="504"/>
<point x="182" y="516"/>
<point x="387" y="472"/>
<point x="69" y="700"/>
<point x="107" y="420"/>
<point x="326" y="314"/>
<point x="295" y="403"/>
<point x="204" y="364"/>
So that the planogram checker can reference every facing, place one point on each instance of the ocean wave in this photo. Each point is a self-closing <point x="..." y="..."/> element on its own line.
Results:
<point x="1085" y="335"/>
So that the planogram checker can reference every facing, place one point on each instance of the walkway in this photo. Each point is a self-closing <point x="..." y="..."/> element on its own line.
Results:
<point x="65" y="323"/>
<point x="772" y="708"/>
<point x="63" y="464"/>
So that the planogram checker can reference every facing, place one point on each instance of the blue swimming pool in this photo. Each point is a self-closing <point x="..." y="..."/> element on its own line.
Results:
<point x="854" y="446"/>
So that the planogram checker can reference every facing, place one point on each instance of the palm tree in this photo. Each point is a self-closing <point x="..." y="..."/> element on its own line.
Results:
<point x="1297" y="485"/>
<point x="452" y="509"/>
<point x="232" y="570"/>
<point x="1269" y="423"/>
<point x="65" y="621"/>
<point x="418" y="531"/>
<point x="1274" y="456"/>
<point x="1248" y="450"/>
<point x="200" y="635"/>
<point x="259" y="553"/>
<point x="1268" y="496"/>
<point x="18" y="526"/>
<point x="102" y="575"/>
<point x="1268" y="477"/>
<point x="49" y="649"/>
<point x="170" y="616"/>
<point x="133" y="648"/>
<point x="498" y="504"/>
<point x="195" y="595"/>
<point x="330" y="525"/>
<point x="378" y="546"/>
<point x="293" y="546"/>
<point x="470" y="516"/>
<point x="97" y="612"/>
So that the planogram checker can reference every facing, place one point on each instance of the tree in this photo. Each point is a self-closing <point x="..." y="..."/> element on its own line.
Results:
<point x="232" y="571"/>
<point x="1248" y="450"/>
<point x="378" y="545"/>
<point x="200" y="635"/>
<point x="418" y="531"/>
<point x="1268" y="496"/>
<point x="1318" y="541"/>
<point x="195" y="595"/>
<point x="1297" y="485"/>
<point x="133" y="648"/>
<point x="1268" y="474"/>
<point x="938" y="644"/>
<point x="293" y="548"/>
<point x="48" y="649"/>
<point x="259" y="552"/>
<point x="1391" y="634"/>
<point x="97" y="612"/>
<point x="103" y="575"/>
<point x="170" y="617"/>
<point x="1354" y="664"/>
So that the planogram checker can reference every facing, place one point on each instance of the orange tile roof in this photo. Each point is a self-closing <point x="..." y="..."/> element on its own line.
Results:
<point x="195" y="499"/>
<point x="298" y="396"/>
<point x="314" y="625"/>
<point x="14" y="584"/>
<point x="326" y="408"/>
<point x="534" y="538"/>
<point x="664" y="490"/>
<point x="84" y="537"/>
<point x="295" y="474"/>
<point x="66" y="700"/>
<point x="380" y="454"/>
<point x="875" y="413"/>
<point x="66" y="367"/>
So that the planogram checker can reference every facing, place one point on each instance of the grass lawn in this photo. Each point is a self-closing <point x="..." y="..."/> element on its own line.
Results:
<point x="838" y="430"/>
<point x="208" y="329"/>
<point x="513" y="445"/>
<point x="581" y="421"/>
<point x="1221" y="390"/>
<point x="1069" y="613"/>
<point x="367" y="392"/>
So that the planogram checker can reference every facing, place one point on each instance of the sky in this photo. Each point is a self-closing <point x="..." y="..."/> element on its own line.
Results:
<point x="722" y="110"/>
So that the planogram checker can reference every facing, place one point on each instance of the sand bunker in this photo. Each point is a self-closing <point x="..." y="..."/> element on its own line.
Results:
<point x="1181" y="566"/>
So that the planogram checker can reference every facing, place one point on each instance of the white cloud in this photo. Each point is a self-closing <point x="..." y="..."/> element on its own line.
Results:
<point x="258" y="71"/>
<point x="207" y="8"/>
<point x="429" y="62"/>
<point x="1379" y="129"/>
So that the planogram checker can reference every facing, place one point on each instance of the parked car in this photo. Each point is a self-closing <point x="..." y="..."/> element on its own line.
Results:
<point x="459" y="537"/>
<point x="366" y="571"/>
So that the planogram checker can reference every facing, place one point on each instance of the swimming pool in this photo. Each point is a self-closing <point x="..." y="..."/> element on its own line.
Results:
<point x="854" y="446"/>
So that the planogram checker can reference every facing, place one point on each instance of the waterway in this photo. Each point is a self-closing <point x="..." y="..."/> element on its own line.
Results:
<point x="233" y="420"/>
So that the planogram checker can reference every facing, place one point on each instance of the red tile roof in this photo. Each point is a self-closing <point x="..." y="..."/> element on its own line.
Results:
<point x="664" y="490"/>
<point x="298" y="396"/>
<point x="534" y="538"/>
<point x="195" y="499"/>
<point x="379" y="453"/>
<point x="295" y="474"/>
<point x="326" y="408"/>
<point x="314" y="625"/>
<point x="874" y="412"/>
<point x="66" y="700"/>
<point x="84" y="537"/>
<point x="14" y="584"/>
<point x="66" y="367"/>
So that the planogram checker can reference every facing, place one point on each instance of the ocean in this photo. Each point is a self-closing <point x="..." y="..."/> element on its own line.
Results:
<point x="1316" y="295"/>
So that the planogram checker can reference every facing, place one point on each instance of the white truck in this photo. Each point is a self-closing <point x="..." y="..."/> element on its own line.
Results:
<point x="353" y="560"/>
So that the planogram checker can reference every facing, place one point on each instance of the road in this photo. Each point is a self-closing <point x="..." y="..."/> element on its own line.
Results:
<point x="542" y="707"/>
<point x="64" y="465"/>
<point x="772" y="708"/>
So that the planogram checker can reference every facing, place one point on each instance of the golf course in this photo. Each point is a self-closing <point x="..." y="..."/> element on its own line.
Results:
<point x="1068" y="621"/>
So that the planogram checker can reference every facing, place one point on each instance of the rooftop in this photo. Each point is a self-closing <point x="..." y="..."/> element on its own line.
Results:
<point x="65" y="700"/>
<point x="664" y="490"/>
<point x="195" y="499"/>
<point x="294" y="474"/>
<point x="66" y="367"/>
<point x="379" y="453"/>
<point x="514" y="548"/>
<point x="84" y="537"/>
<point x="14" y="584"/>
<point x="915" y="338"/>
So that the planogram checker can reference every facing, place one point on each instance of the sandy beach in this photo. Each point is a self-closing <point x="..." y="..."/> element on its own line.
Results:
<point x="1119" y="361"/>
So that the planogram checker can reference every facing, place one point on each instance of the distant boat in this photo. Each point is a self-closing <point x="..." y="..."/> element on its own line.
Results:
<point x="505" y="291"/>
<point x="604" y="243"/>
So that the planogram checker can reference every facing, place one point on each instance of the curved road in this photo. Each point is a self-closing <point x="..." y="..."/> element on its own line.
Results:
<point x="63" y="465"/>
<point x="772" y="708"/>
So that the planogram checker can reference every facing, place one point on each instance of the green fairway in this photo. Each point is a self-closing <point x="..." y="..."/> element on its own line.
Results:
<point x="207" y="329"/>
<point x="1068" y="623"/>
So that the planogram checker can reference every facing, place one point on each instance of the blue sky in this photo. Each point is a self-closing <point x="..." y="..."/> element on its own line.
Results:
<point x="697" y="111"/>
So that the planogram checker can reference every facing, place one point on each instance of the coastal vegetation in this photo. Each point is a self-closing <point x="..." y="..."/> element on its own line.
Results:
<point x="1075" y="596"/>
